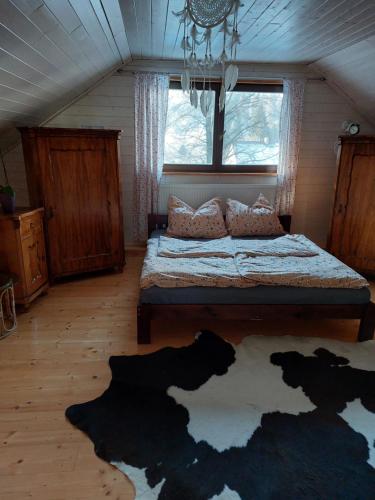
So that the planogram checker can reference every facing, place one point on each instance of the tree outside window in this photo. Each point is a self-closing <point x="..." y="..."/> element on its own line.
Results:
<point x="244" y="137"/>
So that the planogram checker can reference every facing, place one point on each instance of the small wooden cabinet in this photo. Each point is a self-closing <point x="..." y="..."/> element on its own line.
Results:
<point x="352" y="236"/>
<point x="22" y="252"/>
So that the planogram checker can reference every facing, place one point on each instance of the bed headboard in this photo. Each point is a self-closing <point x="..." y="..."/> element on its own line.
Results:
<point x="161" y="222"/>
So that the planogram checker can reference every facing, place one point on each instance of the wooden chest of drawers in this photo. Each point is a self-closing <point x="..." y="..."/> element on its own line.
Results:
<point x="22" y="252"/>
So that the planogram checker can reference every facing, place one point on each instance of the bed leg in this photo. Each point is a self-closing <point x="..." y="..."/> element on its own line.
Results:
<point x="367" y="325"/>
<point x="143" y="324"/>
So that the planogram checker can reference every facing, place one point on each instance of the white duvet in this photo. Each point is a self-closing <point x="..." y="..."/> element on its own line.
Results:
<point x="284" y="246"/>
<point x="290" y="260"/>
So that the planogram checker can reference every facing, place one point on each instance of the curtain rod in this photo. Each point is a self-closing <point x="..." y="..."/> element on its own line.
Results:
<point x="172" y="73"/>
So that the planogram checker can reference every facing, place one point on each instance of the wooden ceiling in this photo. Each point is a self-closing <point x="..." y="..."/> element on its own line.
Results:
<point x="50" y="52"/>
<point x="352" y="71"/>
<point x="294" y="31"/>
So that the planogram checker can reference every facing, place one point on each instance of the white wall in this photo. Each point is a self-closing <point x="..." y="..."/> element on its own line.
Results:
<point x="111" y="105"/>
<point x="352" y="72"/>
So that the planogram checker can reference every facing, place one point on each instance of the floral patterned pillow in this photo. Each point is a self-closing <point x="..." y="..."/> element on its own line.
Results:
<point x="205" y="222"/>
<point x="258" y="220"/>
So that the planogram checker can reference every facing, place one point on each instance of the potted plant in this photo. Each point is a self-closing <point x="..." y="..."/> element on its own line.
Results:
<point x="8" y="199"/>
<point x="7" y="194"/>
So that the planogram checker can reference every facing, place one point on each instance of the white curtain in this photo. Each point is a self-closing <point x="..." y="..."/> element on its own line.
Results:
<point x="290" y="139"/>
<point x="151" y="105"/>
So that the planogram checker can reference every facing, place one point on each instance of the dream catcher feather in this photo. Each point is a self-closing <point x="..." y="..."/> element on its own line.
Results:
<point x="198" y="18"/>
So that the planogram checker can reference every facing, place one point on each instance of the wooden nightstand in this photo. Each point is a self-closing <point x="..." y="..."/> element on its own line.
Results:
<point x="22" y="252"/>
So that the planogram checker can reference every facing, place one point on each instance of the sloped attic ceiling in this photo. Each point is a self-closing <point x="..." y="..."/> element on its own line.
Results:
<point x="283" y="31"/>
<point x="352" y="71"/>
<point x="50" y="52"/>
<point x="336" y="36"/>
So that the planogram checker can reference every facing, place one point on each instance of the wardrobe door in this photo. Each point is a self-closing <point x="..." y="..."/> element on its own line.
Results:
<point x="358" y="235"/>
<point x="82" y="205"/>
<point x="353" y="228"/>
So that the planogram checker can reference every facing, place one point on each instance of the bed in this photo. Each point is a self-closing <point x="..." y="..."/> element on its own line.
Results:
<point x="249" y="303"/>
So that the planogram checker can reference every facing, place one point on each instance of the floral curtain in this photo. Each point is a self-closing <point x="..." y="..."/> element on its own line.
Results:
<point x="151" y="104"/>
<point x="290" y="138"/>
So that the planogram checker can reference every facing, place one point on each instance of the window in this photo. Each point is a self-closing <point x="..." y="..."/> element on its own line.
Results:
<point x="243" y="138"/>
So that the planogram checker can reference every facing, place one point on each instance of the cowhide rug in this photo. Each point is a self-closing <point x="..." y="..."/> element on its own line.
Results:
<point x="272" y="418"/>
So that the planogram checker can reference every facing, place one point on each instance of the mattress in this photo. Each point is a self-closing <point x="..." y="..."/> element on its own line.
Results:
<point x="260" y="294"/>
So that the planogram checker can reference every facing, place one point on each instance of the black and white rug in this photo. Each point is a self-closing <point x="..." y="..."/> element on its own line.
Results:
<point x="272" y="418"/>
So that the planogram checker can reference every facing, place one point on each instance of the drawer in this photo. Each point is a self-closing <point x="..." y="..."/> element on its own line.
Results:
<point x="29" y="225"/>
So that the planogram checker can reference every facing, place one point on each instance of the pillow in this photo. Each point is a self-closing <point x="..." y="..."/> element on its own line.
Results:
<point x="205" y="222"/>
<point x="258" y="220"/>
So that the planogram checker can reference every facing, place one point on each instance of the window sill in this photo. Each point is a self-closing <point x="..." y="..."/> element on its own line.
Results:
<point x="186" y="169"/>
<point x="224" y="174"/>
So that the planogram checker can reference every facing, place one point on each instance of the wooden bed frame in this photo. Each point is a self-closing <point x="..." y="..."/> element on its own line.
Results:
<point x="147" y="312"/>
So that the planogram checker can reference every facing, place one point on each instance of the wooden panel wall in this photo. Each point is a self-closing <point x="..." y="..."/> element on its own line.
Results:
<point x="296" y="31"/>
<point x="324" y="112"/>
<point x="50" y="52"/>
<point x="352" y="72"/>
<point x="111" y="105"/>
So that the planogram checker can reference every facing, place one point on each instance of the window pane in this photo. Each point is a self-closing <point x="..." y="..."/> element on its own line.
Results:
<point x="189" y="135"/>
<point x="252" y="128"/>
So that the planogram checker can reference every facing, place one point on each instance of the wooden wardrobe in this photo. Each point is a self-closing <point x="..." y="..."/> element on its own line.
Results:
<point x="352" y="235"/>
<point x="74" y="175"/>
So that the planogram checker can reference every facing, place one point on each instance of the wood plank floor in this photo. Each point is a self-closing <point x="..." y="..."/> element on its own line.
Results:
<point x="58" y="357"/>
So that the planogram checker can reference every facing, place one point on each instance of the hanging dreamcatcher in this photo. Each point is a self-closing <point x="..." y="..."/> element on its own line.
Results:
<point x="201" y="20"/>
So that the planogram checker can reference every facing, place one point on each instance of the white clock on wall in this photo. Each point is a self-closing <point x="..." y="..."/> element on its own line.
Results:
<point x="351" y="128"/>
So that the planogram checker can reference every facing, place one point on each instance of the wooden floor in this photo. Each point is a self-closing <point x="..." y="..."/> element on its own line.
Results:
<point x="59" y="356"/>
